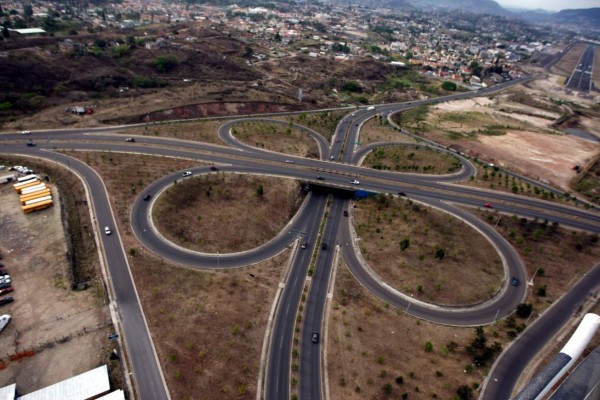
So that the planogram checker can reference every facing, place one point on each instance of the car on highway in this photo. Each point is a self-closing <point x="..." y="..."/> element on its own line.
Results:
<point x="315" y="337"/>
<point x="107" y="230"/>
<point x="337" y="140"/>
<point x="213" y="168"/>
<point x="130" y="139"/>
<point x="488" y="205"/>
<point x="320" y="178"/>
<point x="289" y="161"/>
<point x="515" y="281"/>
<point x="370" y="108"/>
<point x="187" y="173"/>
<point x="355" y="182"/>
<point x="304" y="245"/>
<point x="323" y="246"/>
<point x="401" y="194"/>
<point x="30" y="143"/>
<point x="331" y="157"/>
<point x="345" y="213"/>
<point x="25" y="132"/>
<point x="147" y="197"/>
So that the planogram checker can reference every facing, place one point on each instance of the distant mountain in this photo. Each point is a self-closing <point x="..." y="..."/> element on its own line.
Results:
<point x="474" y="6"/>
<point x="588" y="16"/>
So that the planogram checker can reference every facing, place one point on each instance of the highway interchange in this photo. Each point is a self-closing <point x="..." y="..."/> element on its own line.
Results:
<point x="436" y="191"/>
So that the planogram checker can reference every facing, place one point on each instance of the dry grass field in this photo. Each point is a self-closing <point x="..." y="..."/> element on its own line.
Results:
<point x="277" y="137"/>
<point x="378" y="130"/>
<point x="324" y="122"/>
<point x="426" y="253"/>
<point x="211" y="213"/>
<point x="200" y="131"/>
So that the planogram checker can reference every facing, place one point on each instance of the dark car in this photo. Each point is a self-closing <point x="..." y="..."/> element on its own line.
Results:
<point x="515" y="281"/>
<point x="315" y="337"/>
<point x="6" y="290"/>
<point x="323" y="246"/>
<point x="213" y="168"/>
<point x="401" y="194"/>
<point x="30" y="143"/>
<point x="345" y="213"/>
<point x="6" y="300"/>
<point x="147" y="197"/>
<point x="130" y="139"/>
<point x="320" y="178"/>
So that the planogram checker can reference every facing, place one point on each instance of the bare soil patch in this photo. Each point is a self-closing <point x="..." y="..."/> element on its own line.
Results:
<point x="412" y="159"/>
<point x="426" y="253"/>
<point x="193" y="212"/>
<point x="62" y="328"/>
<point x="277" y="137"/>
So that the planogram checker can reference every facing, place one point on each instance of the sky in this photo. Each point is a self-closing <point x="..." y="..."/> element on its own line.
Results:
<point x="550" y="5"/>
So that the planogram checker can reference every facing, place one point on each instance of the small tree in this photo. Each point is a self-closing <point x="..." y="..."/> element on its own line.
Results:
<point x="440" y="253"/>
<point x="387" y="388"/>
<point x="260" y="190"/>
<point x="428" y="346"/>
<point x="404" y="244"/>
<point x="524" y="310"/>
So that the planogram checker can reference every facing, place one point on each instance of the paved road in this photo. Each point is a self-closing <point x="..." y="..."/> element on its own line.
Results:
<point x="279" y="357"/>
<point x="581" y="77"/>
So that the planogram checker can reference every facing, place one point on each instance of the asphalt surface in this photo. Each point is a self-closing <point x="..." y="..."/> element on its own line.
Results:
<point x="581" y="77"/>
<point x="430" y="190"/>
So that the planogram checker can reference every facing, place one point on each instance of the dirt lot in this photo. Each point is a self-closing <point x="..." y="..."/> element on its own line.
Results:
<point x="400" y="240"/>
<point x="66" y="329"/>
<point x="492" y="129"/>
<point x="192" y="213"/>
<point x="365" y="360"/>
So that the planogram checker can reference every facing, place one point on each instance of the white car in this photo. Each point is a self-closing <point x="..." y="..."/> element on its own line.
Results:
<point x="355" y="182"/>
<point x="187" y="173"/>
<point x="25" y="132"/>
<point x="289" y="161"/>
<point x="107" y="230"/>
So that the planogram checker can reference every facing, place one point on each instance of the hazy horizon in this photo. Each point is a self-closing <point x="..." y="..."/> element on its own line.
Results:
<point x="550" y="5"/>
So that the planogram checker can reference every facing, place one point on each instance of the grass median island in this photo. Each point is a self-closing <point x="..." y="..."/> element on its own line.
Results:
<point x="412" y="159"/>
<point x="324" y="122"/>
<point x="226" y="212"/>
<point x="276" y="137"/>
<point x="426" y="253"/>
<point x="201" y="131"/>
<point x="378" y="129"/>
